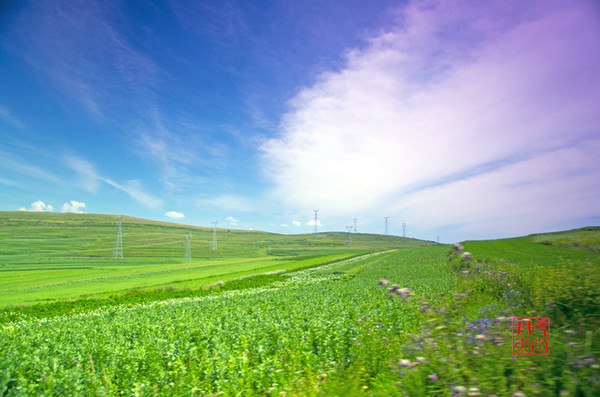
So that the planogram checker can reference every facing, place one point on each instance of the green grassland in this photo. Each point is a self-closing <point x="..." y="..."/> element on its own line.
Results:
<point x="46" y="257"/>
<point x="299" y="317"/>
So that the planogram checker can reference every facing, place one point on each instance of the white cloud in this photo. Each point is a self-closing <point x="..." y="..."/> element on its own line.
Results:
<point x="297" y="223"/>
<point x="38" y="206"/>
<point x="284" y="225"/>
<point x="429" y="108"/>
<point x="174" y="215"/>
<point x="73" y="206"/>
<point x="232" y="220"/>
<point x="312" y="222"/>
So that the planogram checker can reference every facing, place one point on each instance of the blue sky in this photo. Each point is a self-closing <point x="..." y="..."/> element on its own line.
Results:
<point x="462" y="119"/>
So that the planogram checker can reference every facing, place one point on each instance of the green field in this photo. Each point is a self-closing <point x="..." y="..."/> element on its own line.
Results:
<point x="293" y="316"/>
<point x="46" y="257"/>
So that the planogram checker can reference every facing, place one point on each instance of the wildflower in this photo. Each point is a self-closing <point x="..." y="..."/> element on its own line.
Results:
<point x="589" y="361"/>
<point x="459" y="389"/>
<point x="403" y="292"/>
<point x="474" y="392"/>
<point x="383" y="282"/>
<point x="564" y="392"/>
<point x="421" y="359"/>
<point x="404" y="362"/>
<point x="518" y="394"/>
<point x="480" y="337"/>
<point x="458" y="247"/>
<point x="433" y="377"/>
<point x="466" y="255"/>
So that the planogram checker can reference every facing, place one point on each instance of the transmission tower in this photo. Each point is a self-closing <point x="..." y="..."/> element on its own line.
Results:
<point x="118" y="251"/>
<point x="214" y="237"/>
<point x="349" y="228"/>
<point x="404" y="230"/>
<point x="386" y="225"/>
<point x="188" y="247"/>
<point x="316" y="221"/>
<point x="355" y="220"/>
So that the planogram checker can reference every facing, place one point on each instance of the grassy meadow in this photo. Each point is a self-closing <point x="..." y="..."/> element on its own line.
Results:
<point x="47" y="257"/>
<point x="273" y="315"/>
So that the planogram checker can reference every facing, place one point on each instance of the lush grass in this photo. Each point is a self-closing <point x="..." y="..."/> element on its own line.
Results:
<point x="326" y="329"/>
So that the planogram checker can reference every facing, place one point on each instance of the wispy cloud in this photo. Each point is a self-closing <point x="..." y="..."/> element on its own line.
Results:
<point x="38" y="206"/>
<point x="73" y="206"/>
<point x="232" y="221"/>
<point x="175" y="154"/>
<point x="228" y="202"/>
<point x="428" y="109"/>
<point x="297" y="223"/>
<point x="222" y="22"/>
<point x="16" y="165"/>
<point x="80" y="48"/>
<point x="135" y="190"/>
<point x="88" y="177"/>
<point x="7" y="117"/>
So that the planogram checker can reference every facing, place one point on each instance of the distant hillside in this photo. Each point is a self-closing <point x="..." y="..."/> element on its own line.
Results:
<point x="585" y="238"/>
<point x="33" y="236"/>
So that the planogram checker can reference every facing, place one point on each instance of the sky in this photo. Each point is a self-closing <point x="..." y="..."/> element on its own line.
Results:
<point x="461" y="119"/>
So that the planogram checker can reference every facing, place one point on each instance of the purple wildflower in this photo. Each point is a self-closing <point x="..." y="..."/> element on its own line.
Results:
<point x="383" y="282"/>
<point x="433" y="377"/>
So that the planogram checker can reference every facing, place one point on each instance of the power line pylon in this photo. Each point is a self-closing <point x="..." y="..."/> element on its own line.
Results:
<point x="188" y="247"/>
<point x="118" y="250"/>
<point x="355" y="220"/>
<point x="316" y="222"/>
<point x="349" y="228"/>
<point x="214" y="237"/>
<point x="404" y="230"/>
<point x="386" y="225"/>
